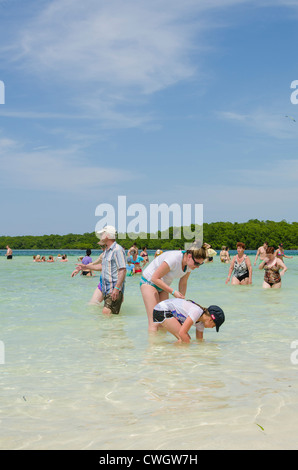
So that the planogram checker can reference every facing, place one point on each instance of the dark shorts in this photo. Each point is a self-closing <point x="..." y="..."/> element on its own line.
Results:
<point x="113" y="305"/>
<point x="160" y="316"/>
<point x="9" y="257"/>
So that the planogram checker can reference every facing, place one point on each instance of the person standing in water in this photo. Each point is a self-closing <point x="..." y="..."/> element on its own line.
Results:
<point x="242" y="268"/>
<point x="87" y="260"/>
<point x="145" y="255"/>
<point x="261" y="252"/>
<point x="224" y="255"/>
<point x="272" y="265"/>
<point x="280" y="253"/>
<point x="8" y="252"/>
<point x="210" y="253"/>
<point x="113" y="268"/>
<point x="136" y="260"/>
<point x="158" y="276"/>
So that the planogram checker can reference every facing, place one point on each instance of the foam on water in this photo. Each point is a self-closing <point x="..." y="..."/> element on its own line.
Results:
<point x="73" y="379"/>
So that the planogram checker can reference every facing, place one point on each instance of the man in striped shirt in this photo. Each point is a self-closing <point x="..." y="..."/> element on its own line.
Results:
<point x="113" y="271"/>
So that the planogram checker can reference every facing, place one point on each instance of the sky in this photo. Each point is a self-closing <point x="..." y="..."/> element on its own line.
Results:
<point x="163" y="102"/>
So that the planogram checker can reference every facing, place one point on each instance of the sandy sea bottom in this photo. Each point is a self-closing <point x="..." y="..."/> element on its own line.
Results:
<point x="73" y="379"/>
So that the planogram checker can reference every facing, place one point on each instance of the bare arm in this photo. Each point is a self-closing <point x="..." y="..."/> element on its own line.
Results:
<point x="161" y="271"/>
<point x="121" y="277"/>
<point x="95" y="266"/>
<point x="283" y="266"/>
<point x="199" y="335"/>
<point x="120" y="280"/>
<point x="230" y="270"/>
<point x="183" y="283"/>
<point x="257" y="255"/>
<point x="90" y="267"/>
<point x="96" y="262"/>
<point x="249" y="267"/>
<point x="262" y="264"/>
<point x="183" y="332"/>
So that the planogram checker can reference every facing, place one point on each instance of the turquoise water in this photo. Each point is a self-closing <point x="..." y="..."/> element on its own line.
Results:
<point x="73" y="379"/>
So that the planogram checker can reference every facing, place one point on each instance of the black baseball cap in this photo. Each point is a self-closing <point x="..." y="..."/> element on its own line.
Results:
<point x="217" y="315"/>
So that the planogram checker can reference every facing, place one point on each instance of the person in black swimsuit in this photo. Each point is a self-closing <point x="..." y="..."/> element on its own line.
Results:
<point x="242" y="267"/>
<point x="8" y="252"/>
<point x="145" y="255"/>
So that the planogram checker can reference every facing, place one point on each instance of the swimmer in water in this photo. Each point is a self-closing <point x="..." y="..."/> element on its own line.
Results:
<point x="8" y="252"/>
<point x="279" y="253"/>
<point x="178" y="315"/>
<point x="87" y="260"/>
<point x="224" y="255"/>
<point x="272" y="265"/>
<point x="130" y="269"/>
<point x="145" y="255"/>
<point x="261" y="252"/>
<point x="136" y="260"/>
<point x="158" y="253"/>
<point x="242" y="268"/>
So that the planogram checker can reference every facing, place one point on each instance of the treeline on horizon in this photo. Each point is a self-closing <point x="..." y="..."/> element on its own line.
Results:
<point x="253" y="233"/>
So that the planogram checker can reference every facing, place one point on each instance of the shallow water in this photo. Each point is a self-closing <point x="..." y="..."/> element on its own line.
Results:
<point x="73" y="379"/>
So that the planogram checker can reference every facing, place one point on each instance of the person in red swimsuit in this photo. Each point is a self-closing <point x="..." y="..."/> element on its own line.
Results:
<point x="136" y="260"/>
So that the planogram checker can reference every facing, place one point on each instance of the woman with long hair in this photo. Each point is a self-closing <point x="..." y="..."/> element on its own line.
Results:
<point x="158" y="276"/>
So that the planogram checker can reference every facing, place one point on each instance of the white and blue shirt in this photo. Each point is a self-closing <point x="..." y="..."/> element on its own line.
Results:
<point x="182" y="309"/>
<point x="113" y="259"/>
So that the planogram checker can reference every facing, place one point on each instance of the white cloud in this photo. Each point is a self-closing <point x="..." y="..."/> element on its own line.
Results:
<point x="281" y="174"/>
<point x="61" y="170"/>
<point x="115" y="43"/>
<point x="136" y="43"/>
<point x="243" y="200"/>
<point x="273" y="124"/>
<point x="37" y="115"/>
<point x="110" y="54"/>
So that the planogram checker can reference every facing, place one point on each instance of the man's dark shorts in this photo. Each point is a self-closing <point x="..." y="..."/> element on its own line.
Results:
<point x="113" y="305"/>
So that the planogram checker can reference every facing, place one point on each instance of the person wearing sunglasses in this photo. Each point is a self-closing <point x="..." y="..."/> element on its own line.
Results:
<point x="158" y="276"/>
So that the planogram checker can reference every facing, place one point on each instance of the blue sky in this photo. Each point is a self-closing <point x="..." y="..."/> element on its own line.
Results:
<point x="162" y="101"/>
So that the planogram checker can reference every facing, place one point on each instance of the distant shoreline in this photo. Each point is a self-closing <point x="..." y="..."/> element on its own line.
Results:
<point x="96" y="252"/>
<point x="253" y="233"/>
